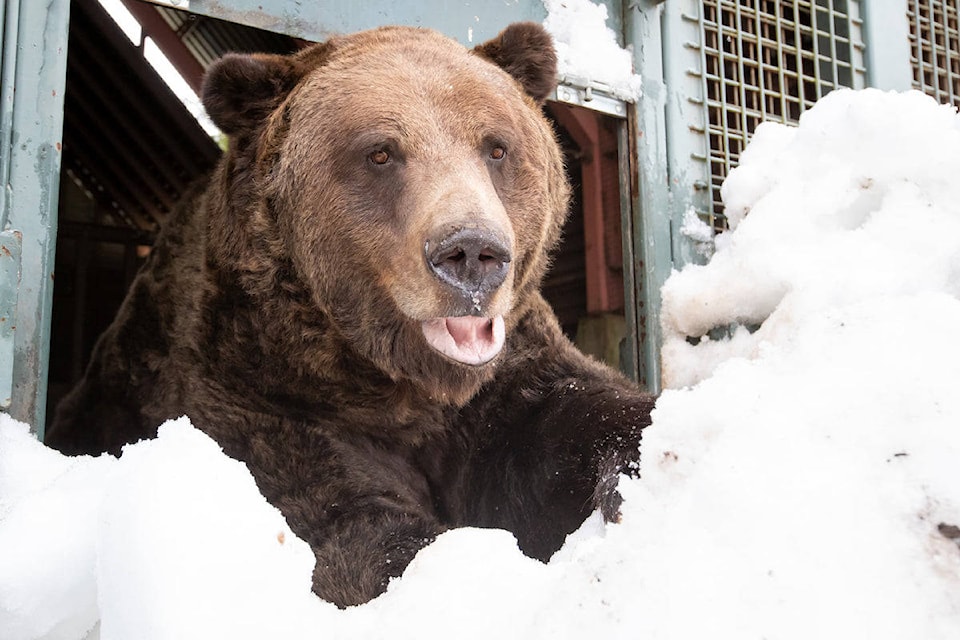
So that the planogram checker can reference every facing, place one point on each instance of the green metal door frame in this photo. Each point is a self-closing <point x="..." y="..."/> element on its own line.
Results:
<point x="468" y="22"/>
<point x="647" y="215"/>
<point x="31" y="123"/>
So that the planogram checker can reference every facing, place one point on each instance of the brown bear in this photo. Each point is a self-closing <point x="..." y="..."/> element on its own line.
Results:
<point x="350" y="305"/>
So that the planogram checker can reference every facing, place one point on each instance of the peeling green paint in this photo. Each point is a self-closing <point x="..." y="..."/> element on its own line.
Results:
<point x="10" y="243"/>
<point x="34" y="72"/>
<point x="650" y="209"/>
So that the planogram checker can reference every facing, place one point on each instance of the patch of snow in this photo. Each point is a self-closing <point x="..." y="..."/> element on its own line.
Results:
<point x="698" y="232"/>
<point x="179" y="492"/>
<point x="859" y="201"/>
<point x="811" y="465"/>
<point x="587" y="49"/>
<point x="48" y="524"/>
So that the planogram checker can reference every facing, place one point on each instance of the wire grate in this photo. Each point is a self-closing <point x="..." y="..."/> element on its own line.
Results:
<point x="935" y="48"/>
<point x="770" y="60"/>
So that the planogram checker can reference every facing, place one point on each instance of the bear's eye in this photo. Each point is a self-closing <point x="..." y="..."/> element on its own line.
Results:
<point x="498" y="153"/>
<point x="380" y="156"/>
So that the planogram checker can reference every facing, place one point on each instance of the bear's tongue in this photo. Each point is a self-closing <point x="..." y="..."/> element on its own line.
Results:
<point x="466" y="339"/>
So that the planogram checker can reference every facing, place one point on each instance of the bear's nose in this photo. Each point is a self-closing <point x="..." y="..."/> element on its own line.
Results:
<point x="474" y="261"/>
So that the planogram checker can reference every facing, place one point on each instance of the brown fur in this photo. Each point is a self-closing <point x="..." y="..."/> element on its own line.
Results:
<point x="281" y="308"/>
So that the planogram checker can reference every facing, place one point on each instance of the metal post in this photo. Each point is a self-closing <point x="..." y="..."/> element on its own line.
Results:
<point x="686" y="120"/>
<point x="34" y="73"/>
<point x="648" y="223"/>
<point x="887" y="35"/>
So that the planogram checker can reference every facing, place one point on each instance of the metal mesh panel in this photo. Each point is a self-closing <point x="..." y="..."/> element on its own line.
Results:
<point x="935" y="48"/>
<point x="770" y="60"/>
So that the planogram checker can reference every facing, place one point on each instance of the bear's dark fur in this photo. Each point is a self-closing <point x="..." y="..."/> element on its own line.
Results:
<point x="350" y="305"/>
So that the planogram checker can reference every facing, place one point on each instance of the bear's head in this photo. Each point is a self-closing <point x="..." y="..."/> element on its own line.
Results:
<point x="410" y="186"/>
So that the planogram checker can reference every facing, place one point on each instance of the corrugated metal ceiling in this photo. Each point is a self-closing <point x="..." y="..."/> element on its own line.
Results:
<point x="208" y="39"/>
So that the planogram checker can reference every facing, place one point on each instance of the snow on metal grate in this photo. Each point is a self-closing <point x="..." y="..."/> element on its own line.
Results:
<point x="770" y="60"/>
<point x="935" y="48"/>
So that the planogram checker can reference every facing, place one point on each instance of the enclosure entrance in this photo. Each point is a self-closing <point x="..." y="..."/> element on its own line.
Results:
<point x="585" y="285"/>
<point x="131" y="150"/>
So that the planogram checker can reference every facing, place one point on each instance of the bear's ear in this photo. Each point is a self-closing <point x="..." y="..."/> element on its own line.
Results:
<point x="240" y="90"/>
<point x="525" y="51"/>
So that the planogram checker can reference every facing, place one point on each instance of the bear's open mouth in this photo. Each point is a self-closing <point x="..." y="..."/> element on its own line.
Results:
<point x="466" y="339"/>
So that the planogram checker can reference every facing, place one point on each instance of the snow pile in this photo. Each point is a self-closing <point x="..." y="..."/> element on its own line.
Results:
<point x="700" y="234"/>
<point x="812" y="477"/>
<point x="807" y="486"/>
<point x="47" y="534"/>
<point x="172" y="540"/>
<point x="587" y="48"/>
<point x="857" y="205"/>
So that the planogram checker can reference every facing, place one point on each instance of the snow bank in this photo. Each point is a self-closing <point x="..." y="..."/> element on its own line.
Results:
<point x="800" y="481"/>
<point x="172" y="540"/>
<point x="814" y="469"/>
<point x="587" y="49"/>
<point x="857" y="204"/>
